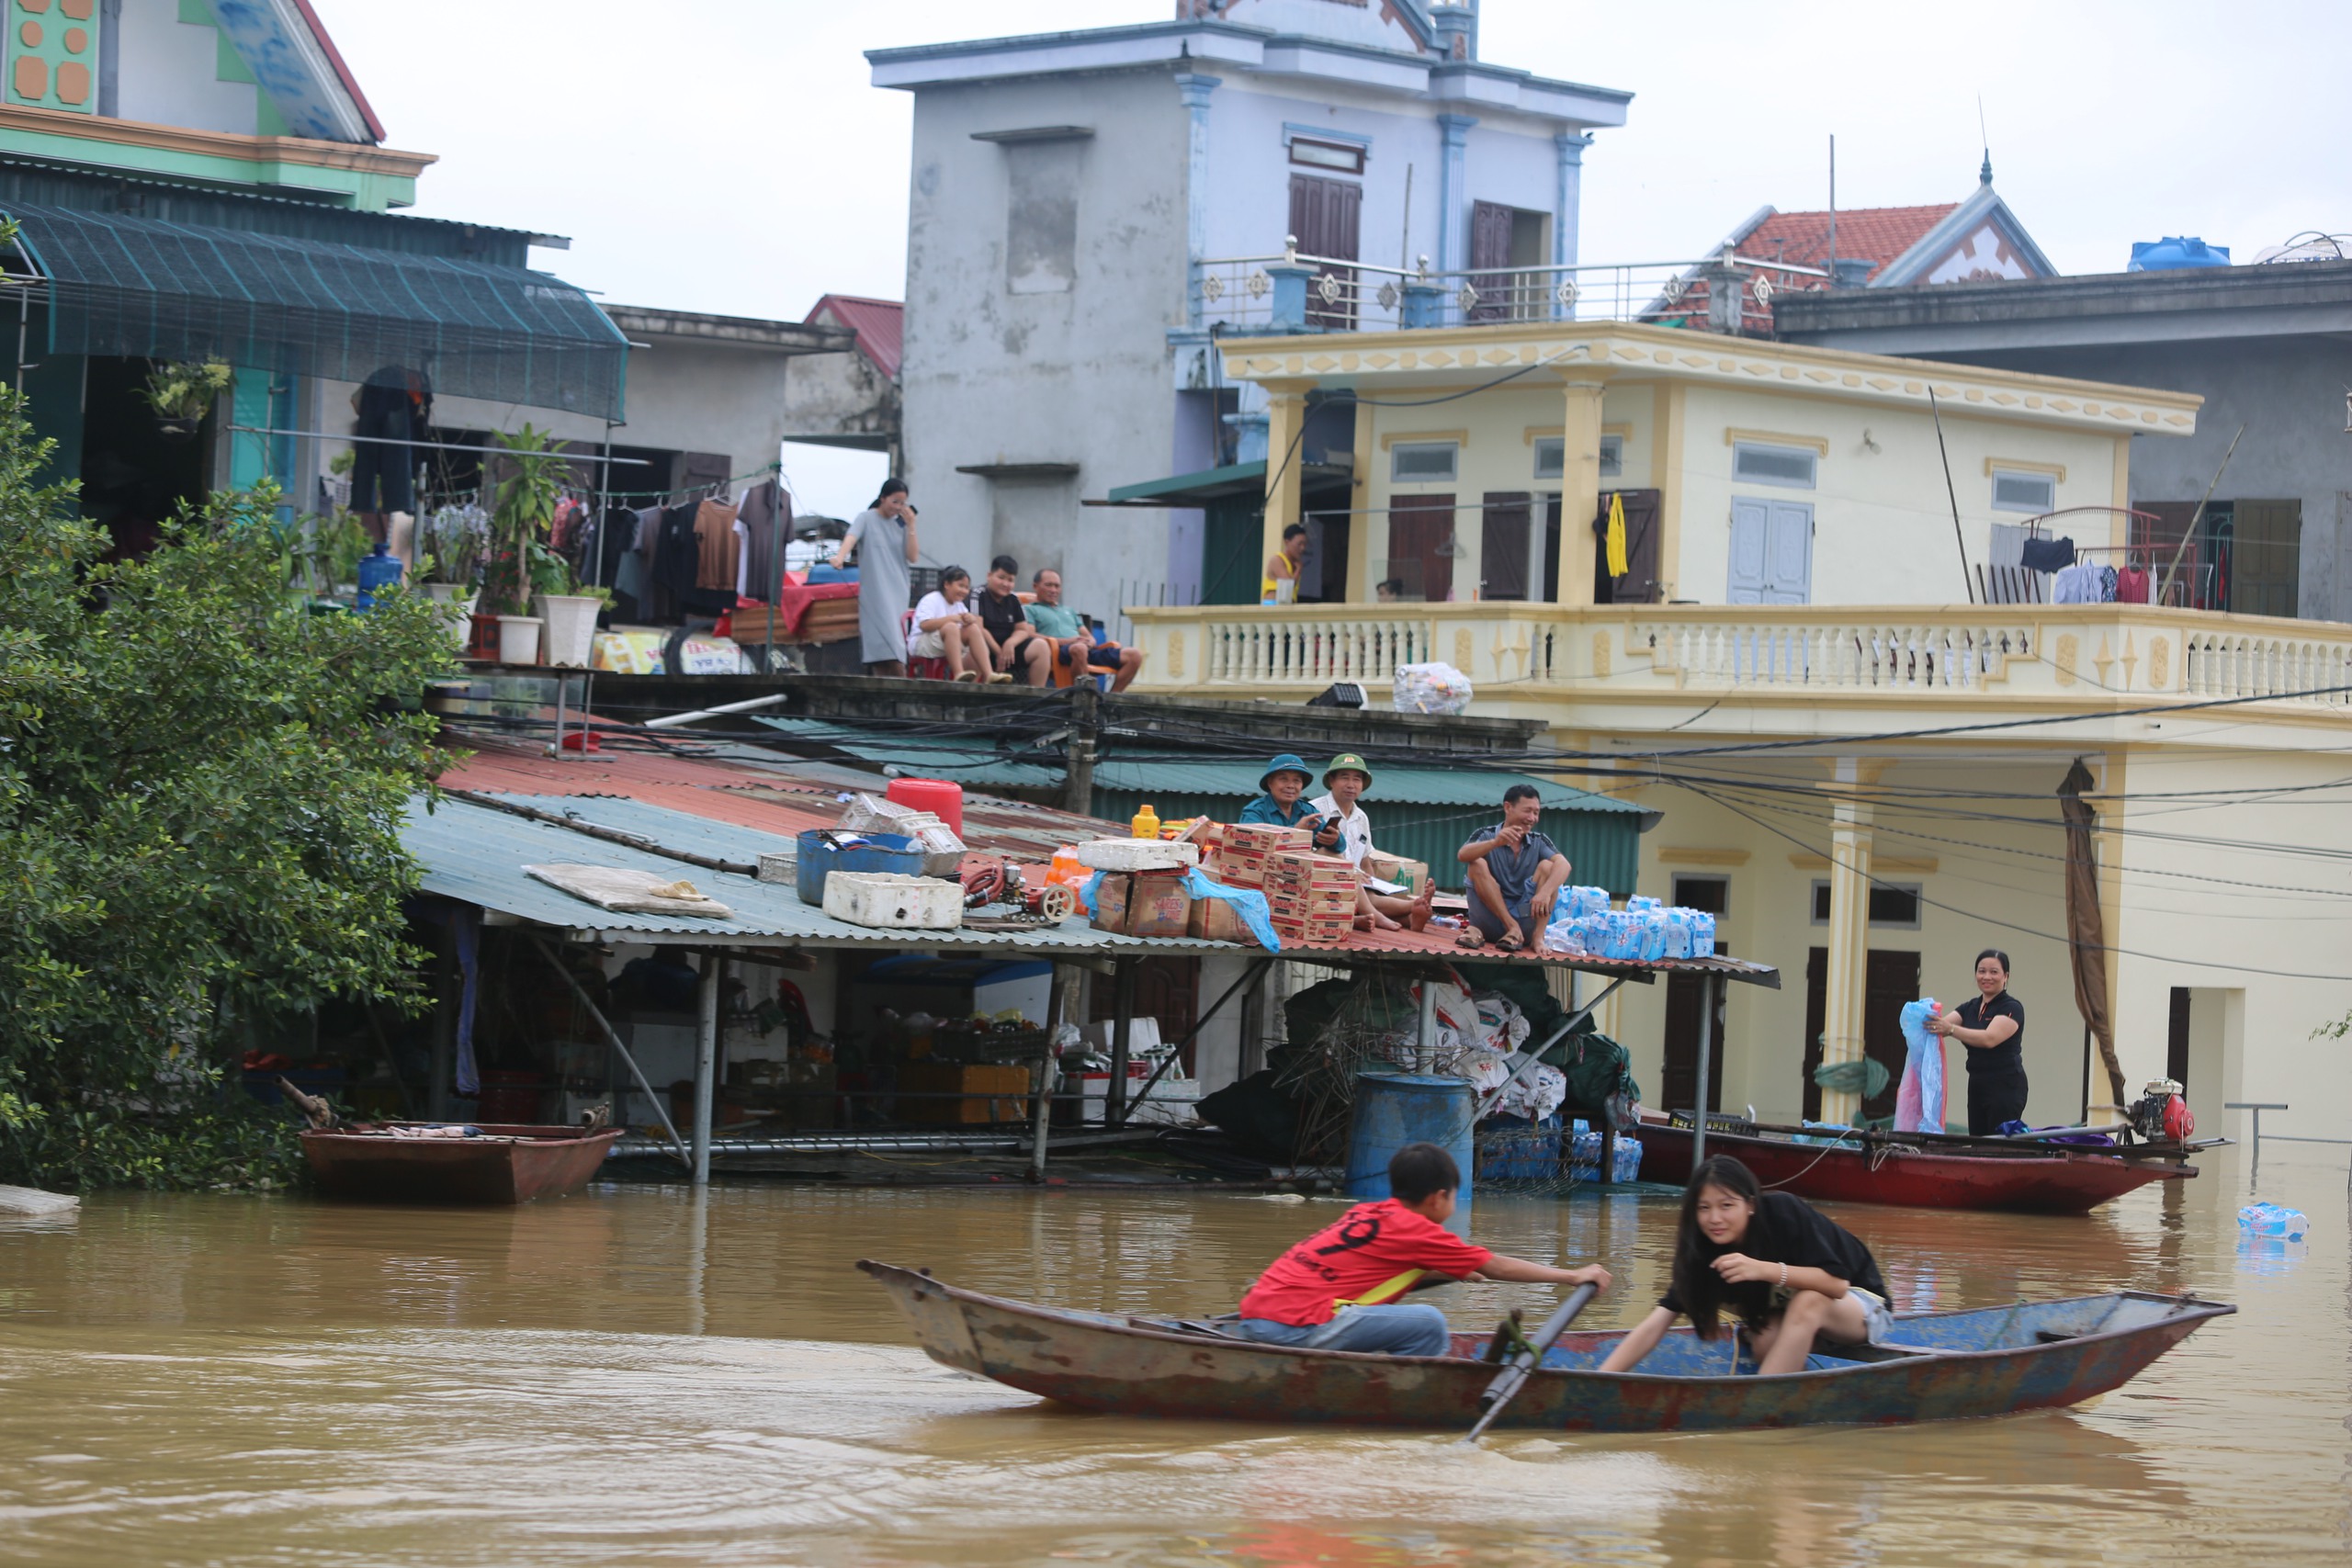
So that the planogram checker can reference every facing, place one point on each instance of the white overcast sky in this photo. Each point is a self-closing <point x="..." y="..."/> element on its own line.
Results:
<point x="733" y="158"/>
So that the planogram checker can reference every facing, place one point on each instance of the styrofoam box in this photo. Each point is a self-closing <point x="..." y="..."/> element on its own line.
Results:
<point x="892" y="902"/>
<point x="1137" y="854"/>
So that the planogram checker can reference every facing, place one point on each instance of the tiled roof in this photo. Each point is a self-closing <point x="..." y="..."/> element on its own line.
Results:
<point x="1875" y="234"/>
<point x="880" y="326"/>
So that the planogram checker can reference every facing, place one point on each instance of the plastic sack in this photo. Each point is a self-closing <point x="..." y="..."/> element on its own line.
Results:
<point x="1248" y="903"/>
<point x="1535" y="1093"/>
<point x="1487" y="1070"/>
<point x="1430" y="688"/>
<point x="1919" y="1100"/>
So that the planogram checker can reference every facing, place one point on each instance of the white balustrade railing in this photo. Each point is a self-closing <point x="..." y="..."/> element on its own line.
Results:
<point x="2289" y="667"/>
<point x="1833" y="654"/>
<point x="1550" y="652"/>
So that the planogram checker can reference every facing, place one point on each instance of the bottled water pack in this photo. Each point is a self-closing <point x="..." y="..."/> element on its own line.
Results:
<point x="2272" y="1220"/>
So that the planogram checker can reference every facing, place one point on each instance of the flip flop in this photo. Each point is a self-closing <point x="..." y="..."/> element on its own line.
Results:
<point x="1470" y="938"/>
<point x="1510" y="943"/>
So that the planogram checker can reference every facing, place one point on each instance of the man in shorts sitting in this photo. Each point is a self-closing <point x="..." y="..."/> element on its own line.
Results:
<point x="1341" y="1287"/>
<point x="1072" y="643"/>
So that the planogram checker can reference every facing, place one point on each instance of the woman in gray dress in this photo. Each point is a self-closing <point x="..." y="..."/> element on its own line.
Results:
<point x="882" y="595"/>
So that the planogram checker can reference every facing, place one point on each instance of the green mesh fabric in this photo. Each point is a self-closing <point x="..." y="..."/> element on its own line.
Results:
<point x="141" y="287"/>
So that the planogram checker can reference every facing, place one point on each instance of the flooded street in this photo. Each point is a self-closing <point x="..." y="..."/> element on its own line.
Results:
<point x="638" y="1376"/>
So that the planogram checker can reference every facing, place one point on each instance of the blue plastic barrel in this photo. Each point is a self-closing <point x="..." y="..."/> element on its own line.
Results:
<point x="879" y="851"/>
<point x="1397" y="1108"/>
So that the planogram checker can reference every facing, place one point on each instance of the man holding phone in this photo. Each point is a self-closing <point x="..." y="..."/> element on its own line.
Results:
<point x="1283" y="805"/>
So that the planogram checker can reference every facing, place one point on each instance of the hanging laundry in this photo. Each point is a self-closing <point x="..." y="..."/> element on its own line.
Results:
<point x="716" y="547"/>
<point x="2132" y="585"/>
<point x="2078" y="584"/>
<point x="1617" y="566"/>
<point x="2107" y="579"/>
<point x="764" y="515"/>
<point x="2046" y="555"/>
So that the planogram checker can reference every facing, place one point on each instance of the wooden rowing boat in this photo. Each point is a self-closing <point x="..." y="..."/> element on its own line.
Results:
<point x="2045" y="1179"/>
<point x="506" y="1163"/>
<point x="1944" y="1366"/>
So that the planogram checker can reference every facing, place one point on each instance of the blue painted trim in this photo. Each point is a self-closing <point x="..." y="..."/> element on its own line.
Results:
<point x="1292" y="133"/>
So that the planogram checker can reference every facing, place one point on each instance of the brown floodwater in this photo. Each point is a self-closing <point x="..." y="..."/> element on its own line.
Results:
<point x="640" y="1375"/>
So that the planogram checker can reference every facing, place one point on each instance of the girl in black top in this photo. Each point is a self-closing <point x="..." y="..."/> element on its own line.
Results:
<point x="1790" y="1275"/>
<point x="1992" y="1028"/>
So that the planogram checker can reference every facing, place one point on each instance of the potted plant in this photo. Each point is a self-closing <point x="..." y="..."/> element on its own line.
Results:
<point x="451" y="541"/>
<point x="517" y="563"/>
<point x="183" y="391"/>
<point x="570" y="618"/>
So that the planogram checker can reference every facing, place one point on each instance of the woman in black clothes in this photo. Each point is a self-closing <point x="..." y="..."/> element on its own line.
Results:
<point x="1793" y="1277"/>
<point x="1992" y="1029"/>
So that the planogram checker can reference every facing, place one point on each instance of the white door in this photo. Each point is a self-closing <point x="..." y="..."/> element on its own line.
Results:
<point x="1787" y="554"/>
<point x="1750" y="522"/>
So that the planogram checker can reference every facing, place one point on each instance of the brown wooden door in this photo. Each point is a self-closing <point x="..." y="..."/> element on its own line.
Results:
<point x="2267" y="537"/>
<point x="1640" y="584"/>
<point x="1503" y="544"/>
<point x="1326" y="219"/>
<point x="1678" y="1073"/>
<point x="1420" y="545"/>
<point x="1490" y="228"/>
<point x="1890" y="979"/>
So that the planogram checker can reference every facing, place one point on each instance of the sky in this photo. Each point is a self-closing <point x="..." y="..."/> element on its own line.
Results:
<point x="730" y="157"/>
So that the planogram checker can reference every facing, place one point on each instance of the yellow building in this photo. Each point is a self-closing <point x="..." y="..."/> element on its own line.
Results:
<point x="1857" y="758"/>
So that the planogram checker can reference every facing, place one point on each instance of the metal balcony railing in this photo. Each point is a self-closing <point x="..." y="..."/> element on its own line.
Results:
<point x="1297" y="292"/>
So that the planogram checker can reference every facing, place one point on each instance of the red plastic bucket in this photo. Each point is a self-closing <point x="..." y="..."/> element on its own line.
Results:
<point x="943" y="799"/>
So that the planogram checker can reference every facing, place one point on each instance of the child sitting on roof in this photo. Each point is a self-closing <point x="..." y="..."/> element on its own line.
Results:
<point x="1339" y="1289"/>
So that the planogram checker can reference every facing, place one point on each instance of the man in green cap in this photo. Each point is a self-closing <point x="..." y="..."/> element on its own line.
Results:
<point x="1347" y="778"/>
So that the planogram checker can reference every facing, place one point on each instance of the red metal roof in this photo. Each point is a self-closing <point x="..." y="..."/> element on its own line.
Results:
<point x="880" y="326"/>
<point x="1875" y="234"/>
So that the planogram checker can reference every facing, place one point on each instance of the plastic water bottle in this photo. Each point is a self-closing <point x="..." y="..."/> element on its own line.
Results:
<point x="379" y="569"/>
<point x="2272" y="1220"/>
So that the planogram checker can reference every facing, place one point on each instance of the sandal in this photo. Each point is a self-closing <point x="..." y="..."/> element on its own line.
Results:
<point x="967" y="676"/>
<point x="1510" y="941"/>
<point x="1471" y="936"/>
<point x="999" y="678"/>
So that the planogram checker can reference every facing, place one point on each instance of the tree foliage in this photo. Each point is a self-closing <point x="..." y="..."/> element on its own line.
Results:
<point x="201" y="790"/>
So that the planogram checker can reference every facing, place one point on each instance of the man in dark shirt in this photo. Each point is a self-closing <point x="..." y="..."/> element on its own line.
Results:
<point x="1515" y="874"/>
<point x="1013" y="643"/>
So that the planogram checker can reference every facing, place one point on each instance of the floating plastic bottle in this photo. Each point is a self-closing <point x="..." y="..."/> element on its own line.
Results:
<point x="2273" y="1220"/>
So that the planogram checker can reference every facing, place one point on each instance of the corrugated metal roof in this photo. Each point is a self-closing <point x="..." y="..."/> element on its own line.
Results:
<point x="476" y="854"/>
<point x="880" y="326"/>
<point x="962" y="760"/>
<point x="1466" y="784"/>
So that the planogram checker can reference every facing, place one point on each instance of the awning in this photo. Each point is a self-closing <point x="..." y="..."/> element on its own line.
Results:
<point x="1244" y="481"/>
<point x="144" y="288"/>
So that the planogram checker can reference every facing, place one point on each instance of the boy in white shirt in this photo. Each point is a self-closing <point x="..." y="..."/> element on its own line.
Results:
<point x="946" y="627"/>
<point x="1346" y="779"/>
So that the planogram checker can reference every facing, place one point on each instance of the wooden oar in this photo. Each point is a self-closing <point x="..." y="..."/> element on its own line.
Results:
<point x="1516" y="1371"/>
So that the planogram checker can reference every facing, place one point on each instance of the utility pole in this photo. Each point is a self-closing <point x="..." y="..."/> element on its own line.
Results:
<point x="1085" y="724"/>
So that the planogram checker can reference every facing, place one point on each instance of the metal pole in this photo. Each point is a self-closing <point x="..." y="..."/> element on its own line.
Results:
<point x="1114" y="1103"/>
<point x="612" y="1038"/>
<point x="1049" y="1070"/>
<point x="1425" y="1042"/>
<point x="706" y="1065"/>
<point x="1707" y="989"/>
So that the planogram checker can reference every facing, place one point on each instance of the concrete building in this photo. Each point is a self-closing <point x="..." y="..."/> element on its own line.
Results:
<point x="851" y="400"/>
<point x="1858" y="768"/>
<point x="2263" y="345"/>
<point x="1088" y="209"/>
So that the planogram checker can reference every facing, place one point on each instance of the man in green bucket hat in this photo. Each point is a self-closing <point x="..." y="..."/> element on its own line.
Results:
<point x="1283" y="804"/>
<point x="1346" y="779"/>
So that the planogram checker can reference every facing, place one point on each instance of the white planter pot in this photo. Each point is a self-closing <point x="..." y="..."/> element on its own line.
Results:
<point x="571" y="628"/>
<point x="518" y="639"/>
<point x="457" y="603"/>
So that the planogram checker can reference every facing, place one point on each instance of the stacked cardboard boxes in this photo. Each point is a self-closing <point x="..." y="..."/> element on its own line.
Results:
<point x="1313" y="897"/>
<point x="1242" y="859"/>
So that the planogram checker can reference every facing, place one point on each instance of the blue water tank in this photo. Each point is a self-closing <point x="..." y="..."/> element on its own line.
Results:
<point x="379" y="569"/>
<point x="1397" y="1108"/>
<point x="2173" y="253"/>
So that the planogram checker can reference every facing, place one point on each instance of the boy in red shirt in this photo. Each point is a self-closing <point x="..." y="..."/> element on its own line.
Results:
<point x="1339" y="1289"/>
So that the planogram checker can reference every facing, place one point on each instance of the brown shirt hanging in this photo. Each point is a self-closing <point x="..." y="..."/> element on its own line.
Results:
<point x="721" y="550"/>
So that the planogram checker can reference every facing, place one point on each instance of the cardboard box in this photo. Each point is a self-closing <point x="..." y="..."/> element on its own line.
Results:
<point x="1264" y="839"/>
<point x="1142" y="903"/>
<point x="1010" y="1086"/>
<point x="1214" y="920"/>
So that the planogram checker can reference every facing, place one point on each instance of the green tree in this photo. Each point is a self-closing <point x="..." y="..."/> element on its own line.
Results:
<point x="201" y="789"/>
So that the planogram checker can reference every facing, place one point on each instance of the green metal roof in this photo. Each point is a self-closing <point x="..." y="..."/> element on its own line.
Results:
<point x="1464" y="784"/>
<point x="1236" y="480"/>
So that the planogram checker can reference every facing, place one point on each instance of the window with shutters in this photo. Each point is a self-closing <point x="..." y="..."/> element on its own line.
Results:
<point x="1424" y="462"/>
<point x="1793" y="467"/>
<point x="2014" y="490"/>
